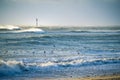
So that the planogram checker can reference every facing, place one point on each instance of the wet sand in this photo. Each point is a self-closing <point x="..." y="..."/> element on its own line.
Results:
<point x="109" y="77"/>
<point x="113" y="77"/>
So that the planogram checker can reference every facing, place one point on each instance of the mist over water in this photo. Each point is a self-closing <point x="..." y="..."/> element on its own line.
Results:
<point x="59" y="52"/>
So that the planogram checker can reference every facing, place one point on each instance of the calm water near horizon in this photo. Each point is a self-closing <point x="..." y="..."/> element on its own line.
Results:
<point x="58" y="52"/>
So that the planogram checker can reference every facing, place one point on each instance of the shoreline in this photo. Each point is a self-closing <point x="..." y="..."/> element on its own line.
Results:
<point x="105" y="77"/>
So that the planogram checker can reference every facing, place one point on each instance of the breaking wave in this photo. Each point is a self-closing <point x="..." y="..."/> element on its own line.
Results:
<point x="9" y="68"/>
<point x="9" y="27"/>
<point x="16" y="29"/>
<point x="31" y="30"/>
<point x="13" y="67"/>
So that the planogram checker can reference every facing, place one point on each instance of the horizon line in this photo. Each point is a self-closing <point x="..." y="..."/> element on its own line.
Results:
<point x="61" y="25"/>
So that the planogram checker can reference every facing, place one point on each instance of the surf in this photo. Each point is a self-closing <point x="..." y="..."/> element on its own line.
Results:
<point x="17" y="29"/>
<point x="9" y="27"/>
<point x="18" y="67"/>
<point x="30" y="30"/>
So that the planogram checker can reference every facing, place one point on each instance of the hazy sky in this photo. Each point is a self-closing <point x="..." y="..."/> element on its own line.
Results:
<point x="60" y="12"/>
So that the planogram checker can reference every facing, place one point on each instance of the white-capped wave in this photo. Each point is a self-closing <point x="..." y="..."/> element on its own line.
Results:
<point x="30" y="30"/>
<point x="12" y="67"/>
<point x="9" y="27"/>
<point x="8" y="68"/>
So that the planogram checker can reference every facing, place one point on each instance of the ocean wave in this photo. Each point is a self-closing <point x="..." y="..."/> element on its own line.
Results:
<point x="93" y="31"/>
<point x="9" y="68"/>
<point x="13" y="67"/>
<point x="9" y="27"/>
<point x="78" y="31"/>
<point x="29" y="30"/>
<point x="17" y="29"/>
<point x="78" y="62"/>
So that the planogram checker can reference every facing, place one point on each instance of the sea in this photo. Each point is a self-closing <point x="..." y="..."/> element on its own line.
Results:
<point x="58" y="52"/>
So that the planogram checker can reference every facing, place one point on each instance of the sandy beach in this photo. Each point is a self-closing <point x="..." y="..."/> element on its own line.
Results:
<point x="109" y="77"/>
<point x="113" y="77"/>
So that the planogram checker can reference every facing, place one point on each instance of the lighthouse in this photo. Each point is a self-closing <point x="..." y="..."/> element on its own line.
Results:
<point x="36" y="22"/>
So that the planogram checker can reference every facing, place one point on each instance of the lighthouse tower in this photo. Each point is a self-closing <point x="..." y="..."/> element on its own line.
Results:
<point x="36" y="22"/>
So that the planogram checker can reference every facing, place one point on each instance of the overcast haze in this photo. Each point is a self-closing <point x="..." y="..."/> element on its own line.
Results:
<point x="60" y="12"/>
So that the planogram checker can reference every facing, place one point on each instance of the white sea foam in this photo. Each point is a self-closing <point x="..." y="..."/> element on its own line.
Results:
<point x="9" y="27"/>
<point x="47" y="64"/>
<point x="16" y="29"/>
<point x="30" y="30"/>
<point x="8" y="68"/>
<point x="13" y="67"/>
